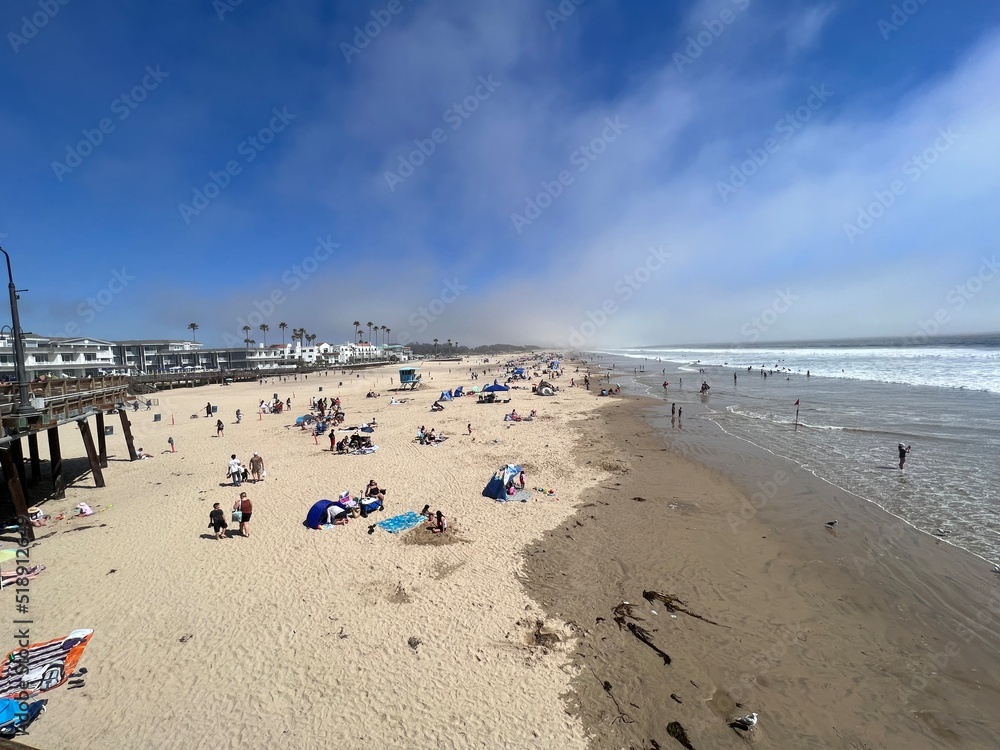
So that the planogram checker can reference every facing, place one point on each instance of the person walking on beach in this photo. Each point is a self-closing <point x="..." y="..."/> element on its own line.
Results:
<point x="256" y="467"/>
<point x="217" y="521"/>
<point x="208" y="409"/>
<point x="219" y="428"/>
<point x="902" y="455"/>
<point x="245" y="507"/>
<point x="235" y="471"/>
<point x="673" y="410"/>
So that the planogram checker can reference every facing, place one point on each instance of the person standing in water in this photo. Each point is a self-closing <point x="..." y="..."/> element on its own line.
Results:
<point x="902" y="455"/>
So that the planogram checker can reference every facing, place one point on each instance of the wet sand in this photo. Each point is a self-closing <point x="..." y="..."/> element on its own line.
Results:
<point x="870" y="635"/>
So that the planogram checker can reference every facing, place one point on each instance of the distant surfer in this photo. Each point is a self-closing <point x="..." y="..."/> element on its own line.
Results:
<point x="902" y="455"/>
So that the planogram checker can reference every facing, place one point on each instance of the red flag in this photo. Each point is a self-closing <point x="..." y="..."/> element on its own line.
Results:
<point x="796" y="402"/>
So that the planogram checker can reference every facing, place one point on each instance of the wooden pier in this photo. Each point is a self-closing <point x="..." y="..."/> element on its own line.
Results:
<point x="56" y="403"/>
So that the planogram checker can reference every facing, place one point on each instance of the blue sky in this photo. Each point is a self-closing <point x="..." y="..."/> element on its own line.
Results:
<point x="583" y="173"/>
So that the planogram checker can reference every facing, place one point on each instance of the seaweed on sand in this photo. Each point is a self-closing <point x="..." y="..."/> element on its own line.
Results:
<point x="675" y="730"/>
<point x="674" y="604"/>
<point x="625" y="612"/>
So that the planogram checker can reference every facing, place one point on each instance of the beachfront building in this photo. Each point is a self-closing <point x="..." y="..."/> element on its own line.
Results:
<point x="57" y="357"/>
<point x="149" y="356"/>
<point x="397" y="352"/>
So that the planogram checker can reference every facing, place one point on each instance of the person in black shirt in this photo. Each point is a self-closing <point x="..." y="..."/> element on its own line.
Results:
<point x="217" y="521"/>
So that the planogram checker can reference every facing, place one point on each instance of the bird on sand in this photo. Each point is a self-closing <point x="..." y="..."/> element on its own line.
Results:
<point x="831" y="524"/>
<point x="745" y="723"/>
<point x="996" y="569"/>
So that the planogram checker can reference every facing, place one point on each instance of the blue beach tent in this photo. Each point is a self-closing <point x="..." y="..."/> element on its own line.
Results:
<point x="317" y="513"/>
<point x="495" y="388"/>
<point x="496" y="488"/>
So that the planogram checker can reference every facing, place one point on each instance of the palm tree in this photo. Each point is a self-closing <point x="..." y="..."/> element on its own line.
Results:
<point x="311" y="338"/>
<point x="435" y="347"/>
<point x="264" y="328"/>
<point x="369" y="324"/>
<point x="282" y="326"/>
<point x="193" y="327"/>
<point x="246" y="333"/>
<point x="357" y="323"/>
<point x="449" y="347"/>
<point x="387" y="332"/>
<point x="248" y="341"/>
<point x="385" y="341"/>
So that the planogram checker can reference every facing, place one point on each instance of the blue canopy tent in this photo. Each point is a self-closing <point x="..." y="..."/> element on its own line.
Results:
<point x="495" y="388"/>
<point x="518" y="371"/>
<point x="496" y="488"/>
<point x="317" y="513"/>
<point x="458" y="391"/>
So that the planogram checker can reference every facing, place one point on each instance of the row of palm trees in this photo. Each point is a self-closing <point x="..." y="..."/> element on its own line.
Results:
<point x="297" y="333"/>
<point x="304" y="337"/>
<point x="450" y="344"/>
<point x="372" y="327"/>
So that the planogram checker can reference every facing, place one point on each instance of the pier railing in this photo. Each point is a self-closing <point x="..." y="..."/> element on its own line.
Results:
<point x="60" y="400"/>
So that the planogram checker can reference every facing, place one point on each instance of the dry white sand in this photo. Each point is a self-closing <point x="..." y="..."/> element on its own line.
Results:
<point x="301" y="638"/>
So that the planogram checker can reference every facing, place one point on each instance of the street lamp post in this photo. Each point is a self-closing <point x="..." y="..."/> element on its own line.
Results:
<point x="24" y="394"/>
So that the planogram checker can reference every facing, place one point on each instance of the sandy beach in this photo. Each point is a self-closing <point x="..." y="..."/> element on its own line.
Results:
<point x="301" y="638"/>
<point x="503" y="632"/>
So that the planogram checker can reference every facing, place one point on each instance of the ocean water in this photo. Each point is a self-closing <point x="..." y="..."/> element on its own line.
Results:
<point x="859" y="400"/>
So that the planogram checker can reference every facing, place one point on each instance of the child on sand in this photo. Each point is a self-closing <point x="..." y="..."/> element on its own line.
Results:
<point x="219" y="428"/>
<point x="440" y="524"/>
<point x="217" y="521"/>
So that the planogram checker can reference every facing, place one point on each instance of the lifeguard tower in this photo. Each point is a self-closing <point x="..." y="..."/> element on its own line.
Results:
<point x="409" y="378"/>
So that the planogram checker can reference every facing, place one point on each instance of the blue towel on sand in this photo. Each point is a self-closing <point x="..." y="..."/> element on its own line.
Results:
<point x="404" y="522"/>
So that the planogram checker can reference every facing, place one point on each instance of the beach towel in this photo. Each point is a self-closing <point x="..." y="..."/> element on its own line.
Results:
<point x="521" y="496"/>
<point x="438" y="440"/>
<point x="49" y="665"/>
<point x="403" y="522"/>
<point x="364" y="451"/>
